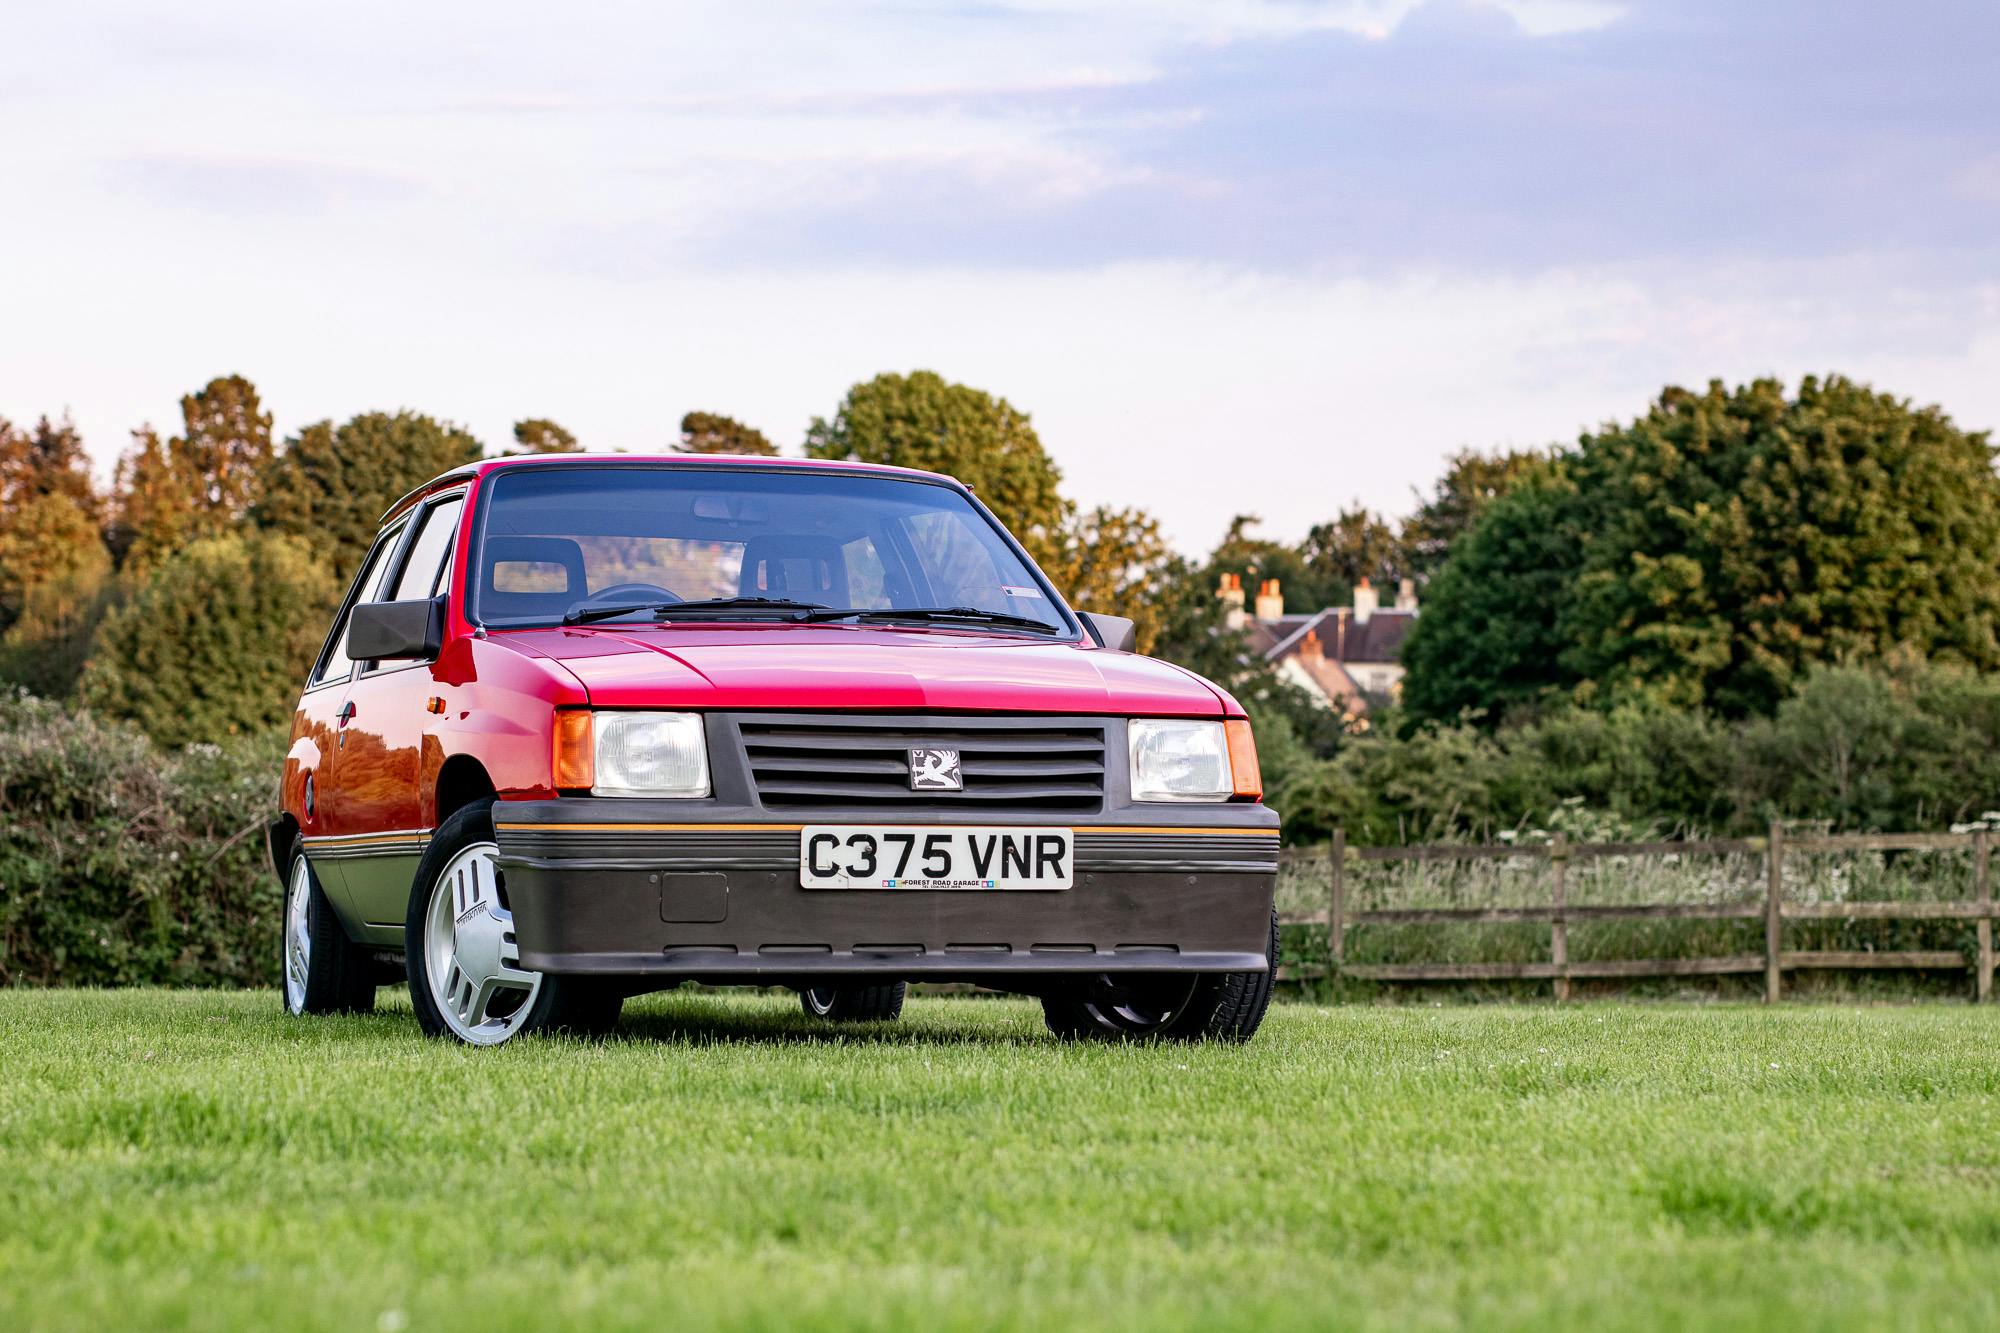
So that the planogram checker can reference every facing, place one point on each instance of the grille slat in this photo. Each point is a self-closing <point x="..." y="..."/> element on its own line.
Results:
<point x="890" y="743"/>
<point x="864" y="791"/>
<point x="798" y="763"/>
<point x="899" y="767"/>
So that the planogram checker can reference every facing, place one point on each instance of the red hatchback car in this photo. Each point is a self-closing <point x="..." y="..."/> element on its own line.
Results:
<point x="587" y="727"/>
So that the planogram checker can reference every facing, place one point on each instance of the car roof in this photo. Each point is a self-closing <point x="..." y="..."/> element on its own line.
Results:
<point x="721" y="462"/>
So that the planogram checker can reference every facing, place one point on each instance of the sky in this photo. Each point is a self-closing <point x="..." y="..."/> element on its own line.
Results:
<point x="1233" y="256"/>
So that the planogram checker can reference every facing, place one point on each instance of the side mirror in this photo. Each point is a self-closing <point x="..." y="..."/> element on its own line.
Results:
<point x="1113" y="632"/>
<point x="378" y="631"/>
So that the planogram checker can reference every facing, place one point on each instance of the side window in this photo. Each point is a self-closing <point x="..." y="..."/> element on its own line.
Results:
<point x="429" y="553"/>
<point x="424" y="564"/>
<point x="367" y="588"/>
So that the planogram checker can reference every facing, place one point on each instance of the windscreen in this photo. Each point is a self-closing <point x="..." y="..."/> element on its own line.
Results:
<point x="557" y="539"/>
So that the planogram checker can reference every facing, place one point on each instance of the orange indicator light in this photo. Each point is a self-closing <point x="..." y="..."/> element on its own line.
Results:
<point x="575" y="762"/>
<point x="1243" y="757"/>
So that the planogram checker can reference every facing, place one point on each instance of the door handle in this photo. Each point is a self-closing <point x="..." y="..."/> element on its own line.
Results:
<point x="347" y="711"/>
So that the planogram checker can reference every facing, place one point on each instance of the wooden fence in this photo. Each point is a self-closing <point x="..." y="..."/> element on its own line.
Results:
<point x="1559" y="970"/>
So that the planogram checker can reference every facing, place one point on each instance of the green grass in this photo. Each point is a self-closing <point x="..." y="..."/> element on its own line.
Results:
<point x="195" y="1159"/>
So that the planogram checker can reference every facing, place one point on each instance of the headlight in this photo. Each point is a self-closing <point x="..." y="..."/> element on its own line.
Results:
<point x="1178" y="760"/>
<point x="649" y="754"/>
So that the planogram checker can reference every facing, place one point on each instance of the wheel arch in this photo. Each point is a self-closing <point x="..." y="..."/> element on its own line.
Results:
<point x="279" y="835"/>
<point x="460" y="781"/>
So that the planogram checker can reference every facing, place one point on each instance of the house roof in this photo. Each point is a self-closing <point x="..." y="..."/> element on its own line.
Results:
<point x="1379" y="639"/>
<point x="1333" y="681"/>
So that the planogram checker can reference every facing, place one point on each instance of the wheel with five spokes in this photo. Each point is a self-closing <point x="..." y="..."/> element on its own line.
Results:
<point x="324" y="971"/>
<point x="466" y="978"/>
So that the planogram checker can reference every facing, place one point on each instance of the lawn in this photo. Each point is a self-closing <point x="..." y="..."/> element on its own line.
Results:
<point x="196" y="1159"/>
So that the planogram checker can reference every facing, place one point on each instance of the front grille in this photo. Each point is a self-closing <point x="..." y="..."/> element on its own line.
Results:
<point x="1005" y="763"/>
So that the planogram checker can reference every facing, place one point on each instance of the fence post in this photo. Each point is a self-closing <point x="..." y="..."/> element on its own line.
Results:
<point x="1336" y="908"/>
<point x="1982" y="890"/>
<point x="1559" y="898"/>
<point x="1774" y="893"/>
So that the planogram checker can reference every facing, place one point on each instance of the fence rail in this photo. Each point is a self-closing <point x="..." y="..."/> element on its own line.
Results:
<point x="1559" y="970"/>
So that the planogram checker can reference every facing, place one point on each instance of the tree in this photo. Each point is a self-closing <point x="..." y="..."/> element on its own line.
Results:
<point x="1356" y="545"/>
<point x="215" y="642"/>
<point x="921" y="421"/>
<point x="53" y="570"/>
<point x="1716" y="549"/>
<point x="539" y="435"/>
<point x="1114" y="561"/>
<point x="1471" y="481"/>
<point x="195" y="484"/>
<point x="153" y="504"/>
<point x="332" y="485"/>
<point x="1735" y="538"/>
<point x="48" y="460"/>
<point x="1258" y="558"/>
<point x="713" y="433"/>
<point x="1487" y="640"/>
<point x="49" y="537"/>
<point x="45" y="649"/>
<point x="225" y="445"/>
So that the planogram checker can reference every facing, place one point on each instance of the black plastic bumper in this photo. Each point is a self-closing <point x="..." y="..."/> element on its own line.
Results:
<point x="650" y="894"/>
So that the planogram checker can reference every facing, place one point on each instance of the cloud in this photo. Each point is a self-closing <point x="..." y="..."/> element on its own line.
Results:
<point x="1698" y="129"/>
<point x="259" y="187"/>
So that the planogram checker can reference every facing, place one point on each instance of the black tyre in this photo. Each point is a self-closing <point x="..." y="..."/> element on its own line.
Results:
<point x="1216" y="1006"/>
<point x="323" y="971"/>
<point x="855" y="1004"/>
<point x="461" y="956"/>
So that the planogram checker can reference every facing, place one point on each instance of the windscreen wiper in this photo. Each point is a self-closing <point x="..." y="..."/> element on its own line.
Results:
<point x="583" y="615"/>
<point x="930" y="614"/>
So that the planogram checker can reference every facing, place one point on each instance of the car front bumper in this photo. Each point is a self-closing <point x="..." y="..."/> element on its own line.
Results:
<point x="638" y="888"/>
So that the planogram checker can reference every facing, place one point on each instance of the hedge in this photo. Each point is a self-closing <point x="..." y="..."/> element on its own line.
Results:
<point x="122" y="863"/>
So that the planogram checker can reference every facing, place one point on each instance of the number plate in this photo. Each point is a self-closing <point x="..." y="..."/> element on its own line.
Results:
<point x="925" y="856"/>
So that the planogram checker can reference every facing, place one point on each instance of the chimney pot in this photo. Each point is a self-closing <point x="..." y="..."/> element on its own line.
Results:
<point x="1406" y="595"/>
<point x="1230" y="594"/>
<point x="1366" y="601"/>
<point x="1270" y="600"/>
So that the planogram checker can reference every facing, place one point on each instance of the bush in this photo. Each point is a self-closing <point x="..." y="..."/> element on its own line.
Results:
<point x="121" y="864"/>
<point x="215" y="643"/>
<point x="1903" y="748"/>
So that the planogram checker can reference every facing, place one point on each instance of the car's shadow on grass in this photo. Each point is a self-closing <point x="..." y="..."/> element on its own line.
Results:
<point x="709" y="1020"/>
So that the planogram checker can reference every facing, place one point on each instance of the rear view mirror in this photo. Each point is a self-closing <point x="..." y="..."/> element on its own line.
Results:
<point x="1114" y="632"/>
<point x="731" y="509"/>
<point x="380" y="631"/>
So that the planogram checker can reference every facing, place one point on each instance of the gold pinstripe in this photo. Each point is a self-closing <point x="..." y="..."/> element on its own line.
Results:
<point x="793" y="828"/>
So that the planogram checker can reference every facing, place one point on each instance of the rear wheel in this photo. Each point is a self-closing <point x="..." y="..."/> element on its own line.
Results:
<point x="324" y="971"/>
<point x="1222" y="1006"/>
<point x="466" y="981"/>
<point x="855" y="1004"/>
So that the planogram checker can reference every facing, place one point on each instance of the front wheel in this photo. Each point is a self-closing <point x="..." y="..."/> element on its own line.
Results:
<point x="1221" y="1006"/>
<point x="466" y="981"/>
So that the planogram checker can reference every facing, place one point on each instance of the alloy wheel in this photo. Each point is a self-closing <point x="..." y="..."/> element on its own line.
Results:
<point x="471" y="958"/>
<point x="298" y="935"/>
<point x="1140" y="1006"/>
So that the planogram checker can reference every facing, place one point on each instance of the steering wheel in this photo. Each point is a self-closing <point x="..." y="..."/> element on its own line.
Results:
<point x="631" y="592"/>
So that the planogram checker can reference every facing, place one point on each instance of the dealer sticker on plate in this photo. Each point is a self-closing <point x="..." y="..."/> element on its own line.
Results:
<point x="926" y="856"/>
